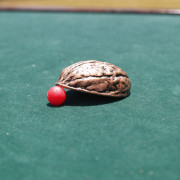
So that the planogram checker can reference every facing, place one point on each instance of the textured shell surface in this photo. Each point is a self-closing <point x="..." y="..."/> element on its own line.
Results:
<point x="96" y="77"/>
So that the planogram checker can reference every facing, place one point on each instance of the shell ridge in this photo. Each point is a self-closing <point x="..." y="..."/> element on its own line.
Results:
<point x="73" y="66"/>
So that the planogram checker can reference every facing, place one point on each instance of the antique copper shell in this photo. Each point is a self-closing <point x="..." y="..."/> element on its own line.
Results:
<point x="96" y="77"/>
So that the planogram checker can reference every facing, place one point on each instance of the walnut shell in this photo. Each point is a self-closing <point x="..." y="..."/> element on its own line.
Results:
<point x="96" y="77"/>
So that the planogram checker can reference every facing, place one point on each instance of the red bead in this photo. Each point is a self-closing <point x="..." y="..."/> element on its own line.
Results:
<point x="56" y="95"/>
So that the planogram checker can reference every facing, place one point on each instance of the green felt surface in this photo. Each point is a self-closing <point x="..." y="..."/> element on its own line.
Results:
<point x="90" y="137"/>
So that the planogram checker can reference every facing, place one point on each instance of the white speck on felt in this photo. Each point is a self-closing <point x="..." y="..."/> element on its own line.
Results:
<point x="33" y="65"/>
<point x="7" y="134"/>
<point x="45" y="72"/>
<point x="115" y="171"/>
<point x="176" y="90"/>
<point x="27" y="84"/>
<point x="150" y="173"/>
<point x="141" y="171"/>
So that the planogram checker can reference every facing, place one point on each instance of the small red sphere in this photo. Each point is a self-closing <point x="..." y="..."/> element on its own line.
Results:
<point x="56" y="95"/>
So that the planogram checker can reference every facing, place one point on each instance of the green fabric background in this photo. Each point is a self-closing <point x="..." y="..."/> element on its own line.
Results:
<point x="90" y="137"/>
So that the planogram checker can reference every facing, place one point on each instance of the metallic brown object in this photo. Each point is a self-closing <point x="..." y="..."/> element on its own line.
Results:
<point x="96" y="77"/>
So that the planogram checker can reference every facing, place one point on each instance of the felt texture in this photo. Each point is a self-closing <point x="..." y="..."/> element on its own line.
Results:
<point x="89" y="137"/>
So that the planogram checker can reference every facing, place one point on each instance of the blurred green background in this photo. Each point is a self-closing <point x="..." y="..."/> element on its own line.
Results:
<point x="153" y="4"/>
